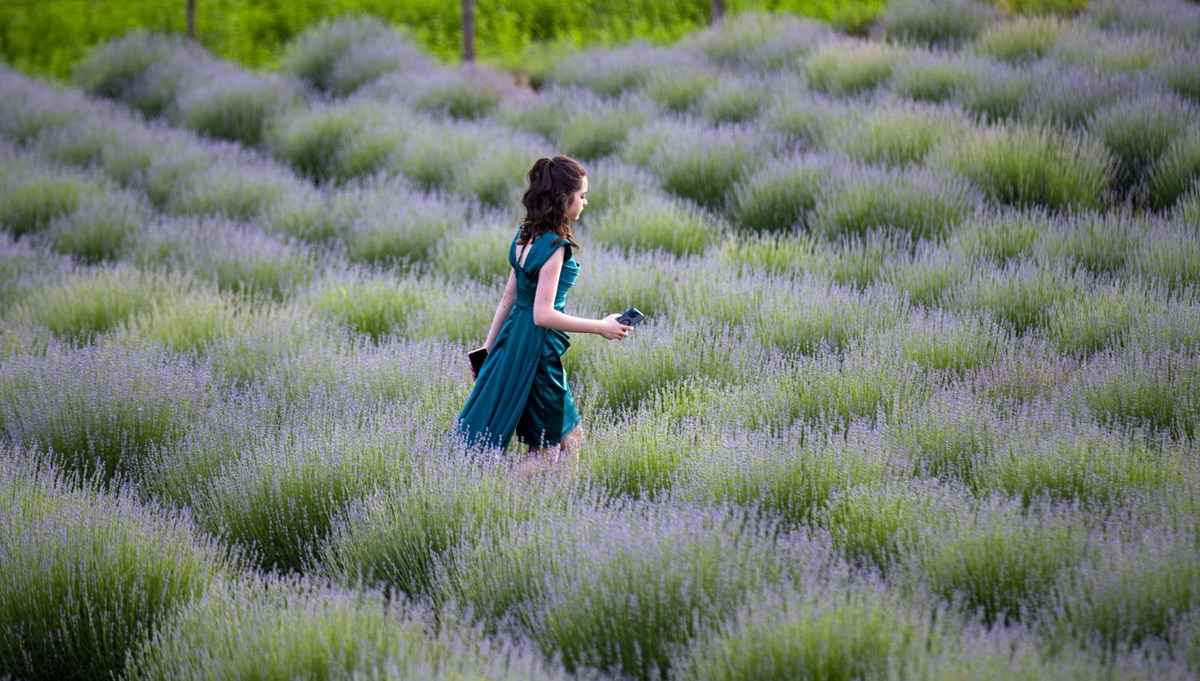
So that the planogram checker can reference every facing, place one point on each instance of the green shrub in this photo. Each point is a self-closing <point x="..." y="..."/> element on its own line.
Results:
<point x="941" y="340"/>
<point x="828" y="389"/>
<point x="649" y="465"/>
<point x="463" y="94"/>
<point x="90" y="302"/>
<point x="948" y="436"/>
<point x="87" y="575"/>
<point x="997" y="561"/>
<point x="936" y="23"/>
<point x="316" y="54"/>
<point x="1020" y="296"/>
<point x="1177" y="171"/>
<point x="389" y="223"/>
<point x="494" y="177"/>
<point x="1100" y="243"/>
<point x="913" y="202"/>
<point x="768" y="254"/>
<point x="433" y="151"/>
<point x="1139" y="389"/>
<point x="542" y="113"/>
<point x="591" y="132"/>
<point x="236" y="107"/>
<point x="760" y="41"/>
<point x="616" y="281"/>
<point x="792" y="475"/>
<point x="736" y="100"/>
<point x="1080" y="463"/>
<point x="1138" y="131"/>
<point x="1027" y="166"/>
<point x="860" y="260"/>
<point x="847" y="68"/>
<point x="805" y="119"/>
<point x="476" y="253"/>
<point x="1181" y="75"/>
<point x="29" y="206"/>
<point x="143" y="70"/>
<point x="377" y="306"/>
<point x="238" y="259"/>
<point x="780" y="197"/>
<point x="192" y="322"/>
<point x="103" y="410"/>
<point x="100" y="228"/>
<point x="1001" y="236"/>
<point x="624" y="377"/>
<point x="898" y="134"/>
<point x="997" y="92"/>
<point x="654" y="221"/>
<point x="399" y="537"/>
<point x="1129" y="54"/>
<point x="929" y="277"/>
<point x="679" y="91"/>
<point x="695" y="161"/>
<point x="876" y="523"/>
<point x="656" y="578"/>
<point x="1170" y="251"/>
<point x="1096" y="321"/>
<point x="294" y="628"/>
<point x="842" y="634"/>
<point x="1130" y="591"/>
<point x="231" y="188"/>
<point x="25" y="269"/>
<point x="1022" y="39"/>
<point x="937" y="78"/>
<point x="455" y="310"/>
<point x="279" y="498"/>
<point x="808" y="316"/>
<point x="339" y="142"/>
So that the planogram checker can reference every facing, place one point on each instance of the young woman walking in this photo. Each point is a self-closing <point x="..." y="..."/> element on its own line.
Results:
<point x="521" y="387"/>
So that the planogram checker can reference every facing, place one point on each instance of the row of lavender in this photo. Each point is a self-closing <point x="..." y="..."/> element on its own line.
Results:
<point x="964" y="450"/>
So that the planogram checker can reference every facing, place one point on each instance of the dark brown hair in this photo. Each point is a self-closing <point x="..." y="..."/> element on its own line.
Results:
<point x="552" y="181"/>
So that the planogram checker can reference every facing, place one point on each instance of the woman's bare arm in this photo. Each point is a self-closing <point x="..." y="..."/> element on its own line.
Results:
<point x="546" y="316"/>
<point x="506" y="303"/>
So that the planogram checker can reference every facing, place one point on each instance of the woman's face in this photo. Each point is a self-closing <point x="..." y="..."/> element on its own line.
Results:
<point x="577" y="201"/>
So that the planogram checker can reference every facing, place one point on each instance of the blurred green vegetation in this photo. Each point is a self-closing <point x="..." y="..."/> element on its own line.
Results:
<point x="48" y="36"/>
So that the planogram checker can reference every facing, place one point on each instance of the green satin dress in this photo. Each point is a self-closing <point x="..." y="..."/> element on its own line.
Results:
<point x="521" y="387"/>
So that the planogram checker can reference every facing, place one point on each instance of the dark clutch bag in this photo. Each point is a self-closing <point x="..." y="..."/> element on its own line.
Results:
<point x="477" y="357"/>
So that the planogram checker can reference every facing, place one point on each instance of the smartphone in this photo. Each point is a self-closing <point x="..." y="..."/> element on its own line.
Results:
<point x="477" y="357"/>
<point x="632" y="317"/>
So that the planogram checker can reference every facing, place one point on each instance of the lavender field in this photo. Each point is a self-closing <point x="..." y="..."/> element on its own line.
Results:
<point x="918" y="396"/>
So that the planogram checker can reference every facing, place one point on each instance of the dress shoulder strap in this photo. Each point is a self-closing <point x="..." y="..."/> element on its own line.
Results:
<point x="541" y="250"/>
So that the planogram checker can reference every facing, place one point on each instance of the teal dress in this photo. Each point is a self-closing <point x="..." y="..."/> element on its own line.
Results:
<point x="521" y="387"/>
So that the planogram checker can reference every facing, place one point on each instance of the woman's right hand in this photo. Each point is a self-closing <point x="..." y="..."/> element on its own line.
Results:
<point x="611" y="329"/>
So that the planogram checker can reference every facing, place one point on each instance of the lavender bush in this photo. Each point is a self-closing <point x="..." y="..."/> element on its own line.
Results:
<point x="935" y="22"/>
<point x="88" y="574"/>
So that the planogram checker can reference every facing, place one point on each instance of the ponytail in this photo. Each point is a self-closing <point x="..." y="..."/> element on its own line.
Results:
<point x="551" y="182"/>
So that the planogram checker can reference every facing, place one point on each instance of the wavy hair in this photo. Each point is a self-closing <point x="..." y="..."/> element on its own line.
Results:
<point x="552" y="181"/>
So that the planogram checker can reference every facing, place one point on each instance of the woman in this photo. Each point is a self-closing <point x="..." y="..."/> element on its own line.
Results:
<point x="521" y="386"/>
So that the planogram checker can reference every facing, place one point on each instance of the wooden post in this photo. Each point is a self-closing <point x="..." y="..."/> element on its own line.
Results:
<point x="468" y="31"/>
<point x="718" y="12"/>
<point x="191" y="19"/>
